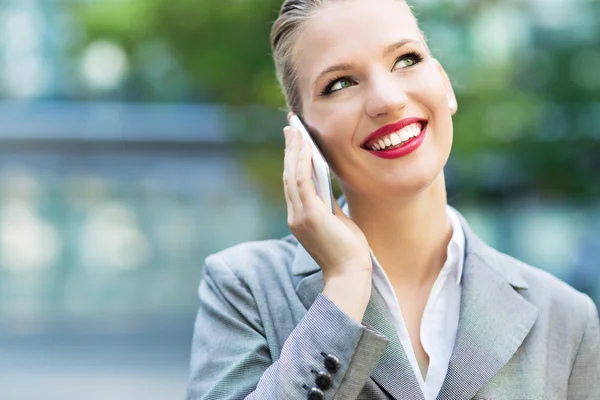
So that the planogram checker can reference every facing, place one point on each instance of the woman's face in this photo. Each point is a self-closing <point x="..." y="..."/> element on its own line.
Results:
<point x="363" y="67"/>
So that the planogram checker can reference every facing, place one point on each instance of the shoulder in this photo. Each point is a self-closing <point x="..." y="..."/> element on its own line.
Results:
<point x="250" y="261"/>
<point x="553" y="297"/>
<point x="556" y="299"/>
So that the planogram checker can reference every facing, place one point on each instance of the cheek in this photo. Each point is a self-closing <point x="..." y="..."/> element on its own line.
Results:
<point x="334" y="124"/>
<point x="335" y="144"/>
<point x="324" y="134"/>
<point x="428" y="86"/>
<point x="432" y="97"/>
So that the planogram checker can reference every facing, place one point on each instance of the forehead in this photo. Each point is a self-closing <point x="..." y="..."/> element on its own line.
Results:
<point x="346" y="31"/>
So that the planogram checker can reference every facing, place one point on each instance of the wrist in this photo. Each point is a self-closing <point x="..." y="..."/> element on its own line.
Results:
<point x="351" y="293"/>
<point x="354" y="278"/>
<point x="349" y="274"/>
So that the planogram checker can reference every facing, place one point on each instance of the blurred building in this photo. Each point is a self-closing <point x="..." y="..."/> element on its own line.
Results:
<point x="106" y="213"/>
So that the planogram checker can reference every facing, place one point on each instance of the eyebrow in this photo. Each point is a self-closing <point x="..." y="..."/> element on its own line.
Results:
<point x="395" y="46"/>
<point x="348" y="65"/>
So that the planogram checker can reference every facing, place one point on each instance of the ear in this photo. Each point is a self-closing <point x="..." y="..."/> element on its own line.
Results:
<point x="450" y="96"/>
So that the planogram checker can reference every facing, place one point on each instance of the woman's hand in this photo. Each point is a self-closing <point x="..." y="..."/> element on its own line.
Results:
<point x="334" y="241"/>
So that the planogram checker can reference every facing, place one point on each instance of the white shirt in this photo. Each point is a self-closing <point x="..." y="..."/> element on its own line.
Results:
<point x="440" y="318"/>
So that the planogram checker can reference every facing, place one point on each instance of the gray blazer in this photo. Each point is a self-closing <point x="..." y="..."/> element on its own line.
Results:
<point x="263" y="326"/>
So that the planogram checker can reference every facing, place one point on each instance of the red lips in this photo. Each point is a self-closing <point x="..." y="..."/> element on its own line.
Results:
<point x="405" y="148"/>
<point x="391" y="128"/>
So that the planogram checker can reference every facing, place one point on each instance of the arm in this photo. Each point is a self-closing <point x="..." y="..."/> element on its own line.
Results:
<point x="231" y="358"/>
<point x="584" y="383"/>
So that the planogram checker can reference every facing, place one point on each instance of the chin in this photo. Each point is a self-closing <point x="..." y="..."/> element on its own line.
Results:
<point x="412" y="185"/>
<point x="395" y="185"/>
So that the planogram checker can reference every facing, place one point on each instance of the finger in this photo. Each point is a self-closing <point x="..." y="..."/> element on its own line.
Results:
<point x="288" y="201"/>
<point x="304" y="180"/>
<point x="289" y="116"/>
<point x="290" y="166"/>
<point x="286" y="135"/>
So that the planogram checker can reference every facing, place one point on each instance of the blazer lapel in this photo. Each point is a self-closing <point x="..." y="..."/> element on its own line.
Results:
<point x="393" y="373"/>
<point x="494" y="319"/>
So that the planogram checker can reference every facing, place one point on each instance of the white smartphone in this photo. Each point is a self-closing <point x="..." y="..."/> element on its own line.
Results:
<point x="320" y="175"/>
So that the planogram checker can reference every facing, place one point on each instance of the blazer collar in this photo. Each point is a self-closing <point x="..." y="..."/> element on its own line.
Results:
<point x="494" y="320"/>
<point x="303" y="263"/>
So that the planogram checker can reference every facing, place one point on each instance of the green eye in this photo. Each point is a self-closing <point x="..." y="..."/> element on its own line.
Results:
<point x="341" y="84"/>
<point x="408" y="60"/>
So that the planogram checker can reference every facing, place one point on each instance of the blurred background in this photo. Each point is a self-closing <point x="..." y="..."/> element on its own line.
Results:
<point x="139" y="136"/>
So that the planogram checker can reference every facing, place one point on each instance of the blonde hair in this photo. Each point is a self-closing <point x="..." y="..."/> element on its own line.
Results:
<point x="294" y="14"/>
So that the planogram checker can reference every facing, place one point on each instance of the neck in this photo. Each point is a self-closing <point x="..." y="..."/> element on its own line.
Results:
<point x="409" y="237"/>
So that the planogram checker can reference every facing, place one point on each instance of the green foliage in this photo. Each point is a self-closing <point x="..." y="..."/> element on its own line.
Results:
<point x="223" y="46"/>
<point x="527" y="111"/>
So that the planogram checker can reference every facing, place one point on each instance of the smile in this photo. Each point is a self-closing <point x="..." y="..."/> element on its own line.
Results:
<point x="397" y="140"/>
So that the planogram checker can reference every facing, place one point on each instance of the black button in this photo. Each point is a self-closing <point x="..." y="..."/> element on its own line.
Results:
<point x="315" y="394"/>
<point x="324" y="380"/>
<point x="332" y="363"/>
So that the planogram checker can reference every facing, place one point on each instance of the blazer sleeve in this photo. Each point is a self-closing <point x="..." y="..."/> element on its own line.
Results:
<point x="231" y="359"/>
<point x="584" y="383"/>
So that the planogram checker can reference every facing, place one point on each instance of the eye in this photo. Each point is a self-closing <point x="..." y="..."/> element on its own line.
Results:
<point x="341" y="84"/>
<point x="408" y="60"/>
<point x="337" y="84"/>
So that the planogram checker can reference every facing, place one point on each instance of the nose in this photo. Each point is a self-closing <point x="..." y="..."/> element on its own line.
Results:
<point x="385" y="97"/>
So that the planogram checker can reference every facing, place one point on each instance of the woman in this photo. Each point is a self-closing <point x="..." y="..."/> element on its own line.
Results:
<point x="393" y="297"/>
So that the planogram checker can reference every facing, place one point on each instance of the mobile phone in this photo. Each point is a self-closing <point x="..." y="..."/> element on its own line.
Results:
<point x="321" y="176"/>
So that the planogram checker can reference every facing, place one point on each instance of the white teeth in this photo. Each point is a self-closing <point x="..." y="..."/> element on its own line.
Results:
<point x="409" y="131"/>
<point x="398" y="137"/>
<point x="415" y="130"/>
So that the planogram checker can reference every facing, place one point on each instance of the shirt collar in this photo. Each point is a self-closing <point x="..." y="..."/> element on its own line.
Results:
<point x="456" y="246"/>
